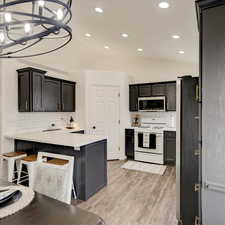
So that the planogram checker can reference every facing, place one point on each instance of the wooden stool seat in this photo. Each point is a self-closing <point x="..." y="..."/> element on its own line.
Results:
<point x="13" y="154"/>
<point x="30" y="158"/>
<point x="13" y="159"/>
<point x="58" y="162"/>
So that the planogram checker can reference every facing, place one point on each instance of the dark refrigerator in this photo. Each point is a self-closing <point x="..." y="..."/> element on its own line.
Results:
<point x="187" y="155"/>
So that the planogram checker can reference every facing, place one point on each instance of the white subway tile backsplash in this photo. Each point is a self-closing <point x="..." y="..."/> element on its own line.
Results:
<point x="166" y="117"/>
<point x="36" y="121"/>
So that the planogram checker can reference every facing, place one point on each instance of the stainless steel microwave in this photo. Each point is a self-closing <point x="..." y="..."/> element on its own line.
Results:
<point x="152" y="104"/>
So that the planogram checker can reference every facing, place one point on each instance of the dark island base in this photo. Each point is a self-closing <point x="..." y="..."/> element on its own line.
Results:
<point x="90" y="165"/>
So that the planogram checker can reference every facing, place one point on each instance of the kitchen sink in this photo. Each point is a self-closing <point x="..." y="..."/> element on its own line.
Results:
<point x="48" y="130"/>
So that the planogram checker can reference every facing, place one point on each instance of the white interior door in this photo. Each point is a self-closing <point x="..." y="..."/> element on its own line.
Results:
<point x="104" y="116"/>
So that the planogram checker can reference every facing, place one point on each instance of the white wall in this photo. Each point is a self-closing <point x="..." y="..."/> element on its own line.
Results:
<point x="141" y="70"/>
<point x="14" y="121"/>
<point x="85" y="80"/>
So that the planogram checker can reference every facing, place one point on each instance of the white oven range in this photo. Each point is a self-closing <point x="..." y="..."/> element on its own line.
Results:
<point x="149" y="142"/>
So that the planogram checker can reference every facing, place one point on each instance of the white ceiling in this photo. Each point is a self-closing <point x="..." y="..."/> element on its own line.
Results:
<point x="148" y="26"/>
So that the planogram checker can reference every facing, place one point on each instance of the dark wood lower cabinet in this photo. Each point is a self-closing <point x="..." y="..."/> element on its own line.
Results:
<point x="170" y="148"/>
<point x="129" y="143"/>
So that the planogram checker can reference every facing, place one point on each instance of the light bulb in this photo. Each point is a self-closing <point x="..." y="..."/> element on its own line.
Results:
<point x="140" y="49"/>
<point x="41" y="3"/>
<point x="124" y="35"/>
<point x="99" y="10"/>
<point x="2" y="37"/>
<point x="88" y="35"/>
<point x="59" y="14"/>
<point x="8" y="17"/>
<point x="27" y="28"/>
<point x="164" y="5"/>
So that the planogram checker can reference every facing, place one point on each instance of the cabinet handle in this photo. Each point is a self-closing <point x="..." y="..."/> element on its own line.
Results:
<point x="63" y="107"/>
<point x="26" y="105"/>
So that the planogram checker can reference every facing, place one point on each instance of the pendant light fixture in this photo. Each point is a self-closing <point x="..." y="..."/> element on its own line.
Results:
<point x="34" y="27"/>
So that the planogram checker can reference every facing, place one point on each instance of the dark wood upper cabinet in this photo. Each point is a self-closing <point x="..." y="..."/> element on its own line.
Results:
<point x="171" y="96"/>
<point x="158" y="89"/>
<point x="133" y="98"/>
<point x="145" y="90"/>
<point x="39" y="93"/>
<point x="30" y="90"/>
<point x="37" y="90"/>
<point x="52" y="95"/>
<point x="68" y="96"/>
<point x="167" y="89"/>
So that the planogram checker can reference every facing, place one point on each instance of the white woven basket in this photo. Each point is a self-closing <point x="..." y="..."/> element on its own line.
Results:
<point x="25" y="200"/>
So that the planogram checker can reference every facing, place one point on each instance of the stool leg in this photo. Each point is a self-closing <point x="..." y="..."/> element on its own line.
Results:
<point x="31" y="175"/>
<point x="11" y="164"/>
<point x="74" y="192"/>
<point x="19" y="171"/>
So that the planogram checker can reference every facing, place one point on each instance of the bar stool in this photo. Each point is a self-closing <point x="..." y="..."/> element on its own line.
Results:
<point x="62" y="162"/>
<point x="54" y="177"/>
<point x="13" y="158"/>
<point x="30" y="162"/>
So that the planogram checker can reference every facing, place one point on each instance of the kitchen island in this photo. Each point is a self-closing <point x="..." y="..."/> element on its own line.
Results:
<point x="89" y="152"/>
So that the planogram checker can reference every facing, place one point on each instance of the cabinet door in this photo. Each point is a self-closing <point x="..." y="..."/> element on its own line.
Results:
<point x="145" y="90"/>
<point x="38" y="92"/>
<point x="24" y="92"/>
<point x="171" y="96"/>
<point x="170" y="149"/>
<point x="52" y="95"/>
<point x="129" y="143"/>
<point x="158" y="89"/>
<point x="133" y="98"/>
<point x="68" y="96"/>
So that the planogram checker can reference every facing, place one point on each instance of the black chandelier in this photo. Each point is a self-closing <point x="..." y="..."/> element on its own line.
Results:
<point x="27" y="27"/>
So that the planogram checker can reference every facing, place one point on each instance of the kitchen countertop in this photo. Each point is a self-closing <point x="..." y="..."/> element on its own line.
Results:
<point x="165" y="129"/>
<point x="170" y="129"/>
<point x="63" y="137"/>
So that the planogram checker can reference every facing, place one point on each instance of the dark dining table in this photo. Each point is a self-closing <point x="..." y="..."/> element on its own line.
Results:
<point x="46" y="211"/>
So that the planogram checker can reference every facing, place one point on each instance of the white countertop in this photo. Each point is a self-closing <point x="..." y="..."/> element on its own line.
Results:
<point x="170" y="129"/>
<point x="165" y="129"/>
<point x="62" y="137"/>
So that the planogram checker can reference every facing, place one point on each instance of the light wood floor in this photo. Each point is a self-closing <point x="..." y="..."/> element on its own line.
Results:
<point x="132" y="198"/>
<point x="135" y="198"/>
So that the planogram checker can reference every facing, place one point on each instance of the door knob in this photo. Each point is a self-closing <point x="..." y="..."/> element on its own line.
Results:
<point x="94" y="127"/>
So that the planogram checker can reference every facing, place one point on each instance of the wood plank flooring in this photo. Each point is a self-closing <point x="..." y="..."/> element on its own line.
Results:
<point x="135" y="198"/>
<point x="132" y="198"/>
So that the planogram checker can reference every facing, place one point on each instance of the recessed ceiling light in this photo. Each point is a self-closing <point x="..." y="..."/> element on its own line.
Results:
<point x="87" y="35"/>
<point x="164" y="5"/>
<point x="99" y="10"/>
<point x="124" y="35"/>
<point x="140" y="50"/>
<point x="181" y="52"/>
<point x="175" y="36"/>
<point x="106" y="47"/>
